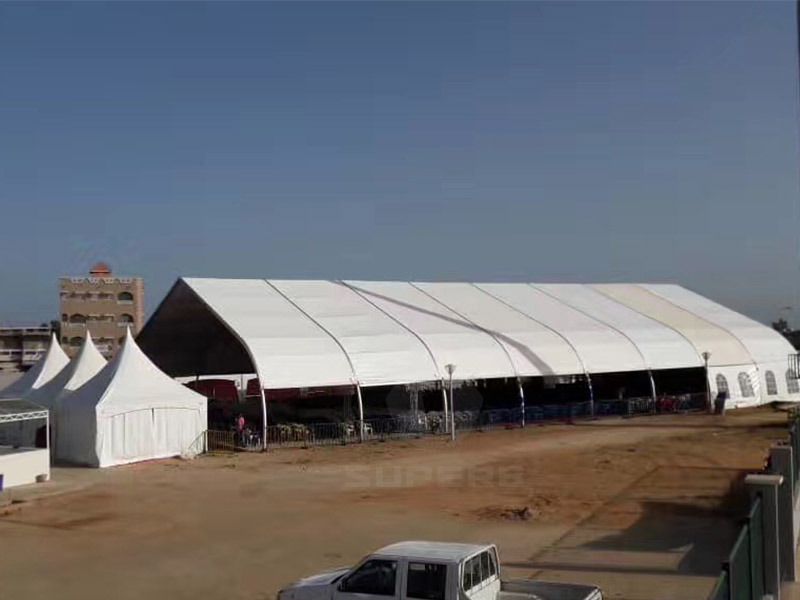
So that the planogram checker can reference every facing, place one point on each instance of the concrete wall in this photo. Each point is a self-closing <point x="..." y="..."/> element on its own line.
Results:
<point x="20" y="466"/>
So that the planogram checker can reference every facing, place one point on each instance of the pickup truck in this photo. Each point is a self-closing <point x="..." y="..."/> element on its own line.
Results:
<point x="430" y="571"/>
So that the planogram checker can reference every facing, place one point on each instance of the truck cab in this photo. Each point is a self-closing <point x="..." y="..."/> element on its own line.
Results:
<point x="430" y="571"/>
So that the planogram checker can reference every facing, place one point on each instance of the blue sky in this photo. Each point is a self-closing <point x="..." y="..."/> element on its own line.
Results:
<point x="595" y="141"/>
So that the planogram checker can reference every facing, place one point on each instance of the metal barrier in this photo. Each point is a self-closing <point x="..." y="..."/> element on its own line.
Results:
<point x="220" y="441"/>
<point x="303" y="435"/>
<point x="721" y="589"/>
<point x="743" y="576"/>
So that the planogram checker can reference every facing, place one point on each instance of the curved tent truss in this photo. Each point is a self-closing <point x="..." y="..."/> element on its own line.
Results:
<point x="303" y="334"/>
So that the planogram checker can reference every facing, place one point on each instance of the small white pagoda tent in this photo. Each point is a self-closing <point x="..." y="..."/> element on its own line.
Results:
<point x="128" y="412"/>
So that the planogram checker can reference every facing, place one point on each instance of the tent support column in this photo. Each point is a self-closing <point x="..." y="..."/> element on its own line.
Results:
<point x="360" y="413"/>
<point x="47" y="434"/>
<point x="591" y="395"/>
<point x="263" y="415"/>
<point x="444" y="406"/>
<point x="521" y="402"/>
<point x="653" y="389"/>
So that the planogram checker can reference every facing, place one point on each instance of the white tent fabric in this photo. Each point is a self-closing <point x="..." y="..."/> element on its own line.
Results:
<point x="381" y="351"/>
<point x="768" y="348"/>
<point x="602" y="350"/>
<point x="729" y="358"/>
<point x="85" y="365"/>
<point x="661" y="347"/>
<point x="129" y="412"/>
<point x="304" y="334"/>
<point x="449" y="337"/>
<point x="39" y="374"/>
<point x="285" y="345"/>
<point x="533" y="349"/>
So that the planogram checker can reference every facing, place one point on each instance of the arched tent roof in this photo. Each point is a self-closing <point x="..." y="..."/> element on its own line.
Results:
<point x="601" y="348"/>
<point x="85" y="365"/>
<point x="450" y="338"/>
<point x="704" y="335"/>
<point x="763" y="344"/>
<point x="661" y="347"/>
<point x="297" y="334"/>
<point x="284" y="344"/>
<point x="381" y="350"/>
<point x="533" y="349"/>
<point x="39" y="374"/>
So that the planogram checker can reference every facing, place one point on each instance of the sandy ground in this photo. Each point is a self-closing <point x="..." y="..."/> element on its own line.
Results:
<point x="643" y="507"/>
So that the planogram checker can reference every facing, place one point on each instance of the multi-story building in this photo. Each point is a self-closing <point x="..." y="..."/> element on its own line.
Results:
<point x="21" y="347"/>
<point x="101" y="304"/>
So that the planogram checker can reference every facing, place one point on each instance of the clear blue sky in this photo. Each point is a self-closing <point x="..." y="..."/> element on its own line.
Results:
<point x="646" y="141"/>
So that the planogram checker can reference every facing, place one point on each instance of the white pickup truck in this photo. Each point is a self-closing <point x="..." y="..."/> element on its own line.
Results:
<point x="430" y="571"/>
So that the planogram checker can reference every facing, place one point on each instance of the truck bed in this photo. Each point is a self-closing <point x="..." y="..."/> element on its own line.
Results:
<point x="525" y="589"/>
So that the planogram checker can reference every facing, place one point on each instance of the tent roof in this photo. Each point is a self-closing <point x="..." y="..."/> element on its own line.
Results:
<point x="763" y="344"/>
<point x="131" y="382"/>
<point x="660" y="347"/>
<point x="329" y="333"/>
<point x="85" y="365"/>
<point x="43" y="371"/>
<point x="725" y="348"/>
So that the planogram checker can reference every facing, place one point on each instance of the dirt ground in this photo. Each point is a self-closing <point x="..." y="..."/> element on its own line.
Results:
<point x="643" y="507"/>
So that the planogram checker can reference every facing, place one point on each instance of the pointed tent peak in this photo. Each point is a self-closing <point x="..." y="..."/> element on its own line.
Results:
<point x="54" y="360"/>
<point x="47" y="367"/>
<point x="89" y="351"/>
<point x="131" y="380"/>
<point x="55" y="348"/>
<point x="85" y="365"/>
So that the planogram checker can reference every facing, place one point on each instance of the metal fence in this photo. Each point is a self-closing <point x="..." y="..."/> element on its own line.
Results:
<point x="220" y="441"/>
<point x="409" y="425"/>
<point x="743" y="574"/>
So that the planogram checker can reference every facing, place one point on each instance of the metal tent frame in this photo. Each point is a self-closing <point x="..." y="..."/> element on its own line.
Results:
<point x="15" y="410"/>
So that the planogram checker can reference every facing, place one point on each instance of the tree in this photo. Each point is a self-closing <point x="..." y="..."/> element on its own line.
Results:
<point x="55" y="326"/>
<point x="782" y="327"/>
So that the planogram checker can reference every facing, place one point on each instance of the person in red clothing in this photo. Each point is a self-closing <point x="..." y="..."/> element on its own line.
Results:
<point x="240" y="424"/>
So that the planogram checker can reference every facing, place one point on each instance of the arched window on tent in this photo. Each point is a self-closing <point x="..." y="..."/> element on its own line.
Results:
<point x="772" y="384"/>
<point x="75" y="342"/>
<point x="125" y="297"/>
<point x="745" y="386"/>
<point x="792" y="385"/>
<point x="77" y="318"/>
<point x="722" y="384"/>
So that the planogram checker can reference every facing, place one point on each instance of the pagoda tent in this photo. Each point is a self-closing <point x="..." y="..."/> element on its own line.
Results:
<point x="85" y="365"/>
<point x="130" y="411"/>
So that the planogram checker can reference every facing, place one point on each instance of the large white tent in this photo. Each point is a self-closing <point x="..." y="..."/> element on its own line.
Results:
<point x="40" y="373"/>
<point x="302" y="334"/>
<point x="128" y="412"/>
